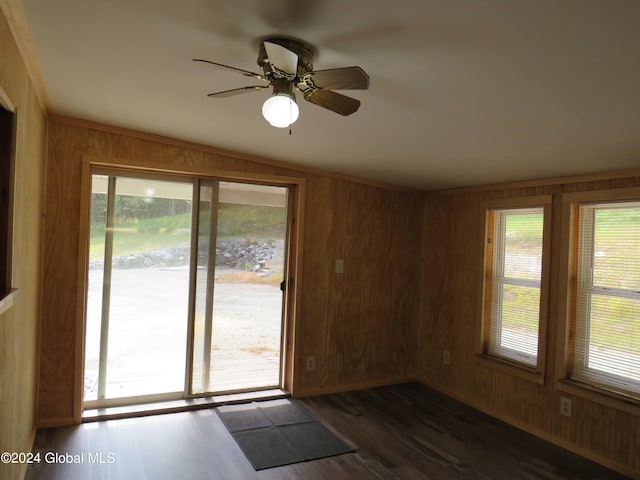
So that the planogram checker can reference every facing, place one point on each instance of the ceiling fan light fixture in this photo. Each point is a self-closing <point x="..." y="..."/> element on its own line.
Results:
<point x="280" y="110"/>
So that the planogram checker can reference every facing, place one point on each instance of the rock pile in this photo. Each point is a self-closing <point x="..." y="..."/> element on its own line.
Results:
<point x="242" y="254"/>
<point x="238" y="254"/>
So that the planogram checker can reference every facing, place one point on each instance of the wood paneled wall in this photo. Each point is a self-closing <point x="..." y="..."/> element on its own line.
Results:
<point x="451" y="307"/>
<point x="359" y="325"/>
<point x="19" y="324"/>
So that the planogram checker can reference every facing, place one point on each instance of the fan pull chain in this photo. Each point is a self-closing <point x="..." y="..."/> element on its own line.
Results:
<point x="290" y="115"/>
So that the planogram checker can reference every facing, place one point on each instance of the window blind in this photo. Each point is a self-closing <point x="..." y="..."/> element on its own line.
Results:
<point x="607" y="332"/>
<point x="515" y="283"/>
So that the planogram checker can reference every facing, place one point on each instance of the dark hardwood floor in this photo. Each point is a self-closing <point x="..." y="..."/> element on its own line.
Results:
<point x="401" y="432"/>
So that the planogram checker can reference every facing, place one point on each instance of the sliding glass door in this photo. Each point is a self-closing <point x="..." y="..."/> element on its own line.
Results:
<point x="138" y="295"/>
<point x="183" y="301"/>
<point x="239" y="295"/>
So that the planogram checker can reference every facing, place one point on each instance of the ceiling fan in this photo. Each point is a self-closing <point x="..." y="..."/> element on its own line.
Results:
<point x="287" y="63"/>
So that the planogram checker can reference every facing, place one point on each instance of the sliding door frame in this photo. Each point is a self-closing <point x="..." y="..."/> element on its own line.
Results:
<point x="214" y="183"/>
<point x="113" y="176"/>
<point x="293" y="263"/>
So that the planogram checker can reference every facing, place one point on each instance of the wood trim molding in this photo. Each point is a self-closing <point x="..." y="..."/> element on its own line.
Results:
<point x="542" y="182"/>
<point x="152" y="137"/>
<point x="608" y="195"/>
<point x="6" y="299"/>
<point x="5" y="100"/>
<point x="294" y="293"/>
<point x="520" y="202"/>
<point x="82" y="284"/>
<point x="596" y="395"/>
<point x="566" y="300"/>
<point x="535" y="373"/>
<point x="145" y="168"/>
<point x="532" y="374"/>
<point x="313" y="392"/>
<point x="56" y="422"/>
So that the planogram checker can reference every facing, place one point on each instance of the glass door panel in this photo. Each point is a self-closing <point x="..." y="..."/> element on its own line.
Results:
<point x="239" y="300"/>
<point x="138" y="290"/>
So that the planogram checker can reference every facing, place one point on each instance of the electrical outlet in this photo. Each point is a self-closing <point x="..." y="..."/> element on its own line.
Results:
<point x="311" y="363"/>
<point x="446" y="357"/>
<point x="565" y="406"/>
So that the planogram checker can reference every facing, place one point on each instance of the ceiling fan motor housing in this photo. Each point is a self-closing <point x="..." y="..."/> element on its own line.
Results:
<point x="303" y="50"/>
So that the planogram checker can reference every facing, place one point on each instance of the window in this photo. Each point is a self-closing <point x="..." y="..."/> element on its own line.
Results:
<point x="514" y="302"/>
<point x="605" y="345"/>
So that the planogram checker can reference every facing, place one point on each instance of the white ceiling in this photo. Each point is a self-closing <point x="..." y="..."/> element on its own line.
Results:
<point x="463" y="92"/>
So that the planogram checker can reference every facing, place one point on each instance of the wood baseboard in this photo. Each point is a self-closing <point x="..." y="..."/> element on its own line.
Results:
<point x="314" y="392"/>
<point x="56" y="422"/>
<point x="560" y="442"/>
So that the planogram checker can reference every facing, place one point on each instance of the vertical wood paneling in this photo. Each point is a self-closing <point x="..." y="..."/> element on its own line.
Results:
<point x="19" y="324"/>
<point x="360" y="325"/>
<point x="57" y="348"/>
<point x="368" y="317"/>
<point x="312" y="323"/>
<point x="450" y="314"/>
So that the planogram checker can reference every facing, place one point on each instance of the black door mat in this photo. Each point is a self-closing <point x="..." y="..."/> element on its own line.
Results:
<point x="279" y="432"/>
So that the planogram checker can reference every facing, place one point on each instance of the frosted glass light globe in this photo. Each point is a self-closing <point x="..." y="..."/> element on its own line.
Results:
<point x="280" y="111"/>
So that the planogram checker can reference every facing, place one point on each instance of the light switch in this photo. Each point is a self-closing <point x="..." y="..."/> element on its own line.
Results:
<point x="340" y="266"/>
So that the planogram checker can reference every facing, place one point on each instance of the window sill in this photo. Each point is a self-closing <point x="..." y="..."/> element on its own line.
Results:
<point x="512" y="368"/>
<point x="6" y="299"/>
<point x="604" y="397"/>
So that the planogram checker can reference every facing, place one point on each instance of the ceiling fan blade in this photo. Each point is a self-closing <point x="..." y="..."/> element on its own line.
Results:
<point x="237" y="91"/>
<point x="282" y="58"/>
<point x="350" y="78"/>
<point x="333" y="101"/>
<point x="234" y="69"/>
